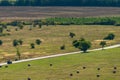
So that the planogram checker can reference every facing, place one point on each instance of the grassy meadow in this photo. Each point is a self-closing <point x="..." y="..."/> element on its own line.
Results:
<point x="63" y="66"/>
<point x="52" y="38"/>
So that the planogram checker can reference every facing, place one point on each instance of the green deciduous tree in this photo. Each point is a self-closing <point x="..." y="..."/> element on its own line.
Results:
<point x="71" y="34"/>
<point x="103" y="43"/>
<point x="32" y="45"/>
<point x="110" y="36"/>
<point x="1" y="42"/>
<point x="82" y="44"/>
<point x="38" y="41"/>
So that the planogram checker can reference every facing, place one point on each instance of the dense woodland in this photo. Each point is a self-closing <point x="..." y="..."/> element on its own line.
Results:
<point x="114" y="3"/>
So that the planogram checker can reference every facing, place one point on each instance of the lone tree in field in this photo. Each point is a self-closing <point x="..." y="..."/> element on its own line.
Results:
<point x="1" y="42"/>
<point x="38" y="41"/>
<point x="32" y="45"/>
<point x="110" y="36"/>
<point x="82" y="44"/>
<point x="15" y="43"/>
<point x="62" y="47"/>
<point x="1" y="29"/>
<point x="71" y="34"/>
<point x="20" y="41"/>
<point x="18" y="53"/>
<point x="103" y="43"/>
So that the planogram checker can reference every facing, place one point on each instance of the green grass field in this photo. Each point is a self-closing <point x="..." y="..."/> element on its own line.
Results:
<point x="66" y="65"/>
<point x="52" y="38"/>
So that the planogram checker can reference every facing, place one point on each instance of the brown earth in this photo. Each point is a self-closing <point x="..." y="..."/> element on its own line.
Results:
<point x="43" y="12"/>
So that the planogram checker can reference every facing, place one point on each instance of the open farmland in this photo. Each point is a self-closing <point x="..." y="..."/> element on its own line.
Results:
<point x="52" y="38"/>
<point x="44" y="12"/>
<point x="63" y="66"/>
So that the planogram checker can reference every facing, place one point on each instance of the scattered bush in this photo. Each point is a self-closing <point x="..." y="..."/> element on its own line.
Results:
<point x="1" y="42"/>
<point x="62" y="47"/>
<point x="32" y="45"/>
<point x="110" y="36"/>
<point x="15" y="43"/>
<point x="71" y="34"/>
<point x="38" y="41"/>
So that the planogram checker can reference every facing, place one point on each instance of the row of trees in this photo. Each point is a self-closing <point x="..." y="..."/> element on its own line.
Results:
<point x="60" y="3"/>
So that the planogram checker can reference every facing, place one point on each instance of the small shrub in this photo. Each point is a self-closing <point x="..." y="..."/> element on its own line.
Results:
<point x="71" y="34"/>
<point x="1" y="42"/>
<point x="15" y="43"/>
<point x="77" y="72"/>
<point x="51" y="64"/>
<point x="115" y="67"/>
<point x="71" y="74"/>
<point x="84" y="67"/>
<point x="98" y="75"/>
<point x="32" y="45"/>
<point x="29" y="79"/>
<point x="114" y="72"/>
<point x="29" y="65"/>
<point x="6" y="66"/>
<point x="62" y="47"/>
<point x="20" y="41"/>
<point x="38" y="42"/>
<point x="98" y="68"/>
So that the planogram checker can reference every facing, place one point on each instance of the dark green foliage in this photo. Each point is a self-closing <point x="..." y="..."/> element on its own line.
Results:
<point x="1" y="42"/>
<point x="114" y="3"/>
<point x="85" y="21"/>
<point x="15" y="43"/>
<point x="103" y="43"/>
<point x="40" y="25"/>
<point x="20" y="26"/>
<point x="38" y="41"/>
<point x="110" y="36"/>
<point x="71" y="34"/>
<point x="32" y="45"/>
<point x="62" y="47"/>
<point x="20" y="41"/>
<point x="82" y="44"/>
<point x="1" y="29"/>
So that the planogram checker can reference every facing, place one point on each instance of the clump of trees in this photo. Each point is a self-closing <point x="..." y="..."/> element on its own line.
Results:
<point x="110" y="36"/>
<point x="82" y="44"/>
<point x="17" y="42"/>
<point x="114" y="3"/>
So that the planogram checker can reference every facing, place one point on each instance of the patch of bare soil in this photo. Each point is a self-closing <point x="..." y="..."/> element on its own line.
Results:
<point x="7" y="13"/>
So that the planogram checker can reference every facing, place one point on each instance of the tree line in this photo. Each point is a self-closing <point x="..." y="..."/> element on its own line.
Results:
<point x="114" y="3"/>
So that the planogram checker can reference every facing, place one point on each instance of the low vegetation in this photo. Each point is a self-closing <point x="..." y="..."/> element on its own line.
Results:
<point x="103" y="65"/>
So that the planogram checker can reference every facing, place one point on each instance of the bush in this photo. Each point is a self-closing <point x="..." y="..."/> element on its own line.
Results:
<point x="20" y="42"/>
<point x="110" y="36"/>
<point x="82" y="44"/>
<point x="62" y="47"/>
<point x="32" y="45"/>
<point x="38" y="42"/>
<point x="1" y="42"/>
<point x="71" y="34"/>
<point x="15" y="43"/>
